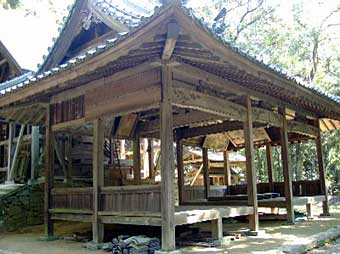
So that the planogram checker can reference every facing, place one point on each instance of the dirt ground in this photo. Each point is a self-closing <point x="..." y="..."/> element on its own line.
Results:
<point x="26" y="241"/>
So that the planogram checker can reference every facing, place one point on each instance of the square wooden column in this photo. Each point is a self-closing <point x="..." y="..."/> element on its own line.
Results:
<point x="269" y="156"/>
<point x="151" y="156"/>
<point x="180" y="170"/>
<point x="287" y="174"/>
<point x="322" y="173"/>
<point x="167" y="162"/>
<point x="35" y="153"/>
<point x="98" y="178"/>
<point x="206" y="179"/>
<point x="251" y="174"/>
<point x="136" y="160"/>
<point x="49" y="173"/>
<point x="227" y="174"/>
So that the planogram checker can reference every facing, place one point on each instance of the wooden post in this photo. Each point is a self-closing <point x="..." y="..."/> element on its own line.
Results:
<point x="150" y="154"/>
<point x="206" y="179"/>
<point x="16" y="153"/>
<point x="251" y="173"/>
<point x="11" y="135"/>
<point x="180" y="170"/>
<point x="269" y="155"/>
<point x="286" y="167"/>
<point x="322" y="174"/>
<point x="217" y="228"/>
<point x="98" y="178"/>
<point x="49" y="174"/>
<point x="69" y="158"/>
<point x="136" y="160"/>
<point x="167" y="162"/>
<point x="35" y="153"/>
<point x="227" y="174"/>
<point x="145" y="157"/>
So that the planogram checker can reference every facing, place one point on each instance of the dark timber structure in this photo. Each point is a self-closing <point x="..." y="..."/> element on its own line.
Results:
<point x="165" y="77"/>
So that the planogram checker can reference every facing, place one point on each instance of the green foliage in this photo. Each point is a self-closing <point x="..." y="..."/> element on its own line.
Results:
<point x="303" y="39"/>
<point x="10" y="4"/>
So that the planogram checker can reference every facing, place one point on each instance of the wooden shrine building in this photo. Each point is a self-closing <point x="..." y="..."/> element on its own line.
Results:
<point x="169" y="77"/>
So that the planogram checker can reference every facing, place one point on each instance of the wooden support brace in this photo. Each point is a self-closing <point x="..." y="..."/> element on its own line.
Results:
<point x="16" y="153"/>
<point x="170" y="43"/>
<point x="206" y="178"/>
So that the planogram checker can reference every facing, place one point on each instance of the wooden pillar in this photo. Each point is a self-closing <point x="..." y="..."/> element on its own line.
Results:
<point x="217" y="228"/>
<point x="206" y="172"/>
<point x="10" y="151"/>
<point x="145" y="157"/>
<point x="227" y="174"/>
<point x="269" y="155"/>
<point x="98" y="178"/>
<point x="150" y="154"/>
<point x="286" y="167"/>
<point x="251" y="173"/>
<point x="49" y="174"/>
<point x="180" y="170"/>
<point x="167" y="162"/>
<point x="322" y="174"/>
<point x="35" y="153"/>
<point x="69" y="158"/>
<point x="136" y="160"/>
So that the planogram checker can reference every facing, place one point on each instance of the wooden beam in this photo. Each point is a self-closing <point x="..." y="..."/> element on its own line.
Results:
<point x="49" y="173"/>
<point x="269" y="156"/>
<point x="170" y="43"/>
<point x="136" y="160"/>
<point x="322" y="173"/>
<point x="98" y="178"/>
<point x="286" y="167"/>
<point x="16" y="153"/>
<point x="167" y="162"/>
<point x="251" y="173"/>
<point x="227" y="173"/>
<point x="35" y="150"/>
<point x="180" y="170"/>
<point x="206" y="178"/>
<point x="302" y="128"/>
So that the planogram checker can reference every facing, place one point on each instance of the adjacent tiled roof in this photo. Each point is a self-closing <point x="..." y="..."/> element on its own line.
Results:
<point x="138" y="22"/>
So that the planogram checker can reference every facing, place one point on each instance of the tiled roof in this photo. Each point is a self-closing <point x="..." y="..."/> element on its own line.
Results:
<point x="138" y="21"/>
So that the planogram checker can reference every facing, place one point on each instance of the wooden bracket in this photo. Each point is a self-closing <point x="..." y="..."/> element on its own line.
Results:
<point x="170" y="43"/>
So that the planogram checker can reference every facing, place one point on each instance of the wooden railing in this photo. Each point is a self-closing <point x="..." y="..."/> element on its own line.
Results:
<point x="72" y="198"/>
<point x="134" y="198"/>
<point x="198" y="192"/>
<point x="300" y="188"/>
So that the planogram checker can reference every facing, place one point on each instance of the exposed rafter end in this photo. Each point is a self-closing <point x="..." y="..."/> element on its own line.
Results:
<point x="170" y="43"/>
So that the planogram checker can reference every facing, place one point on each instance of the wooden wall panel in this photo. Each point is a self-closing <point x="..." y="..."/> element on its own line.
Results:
<point x="137" y="92"/>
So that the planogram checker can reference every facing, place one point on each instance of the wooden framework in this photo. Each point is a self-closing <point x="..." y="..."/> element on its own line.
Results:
<point x="168" y="75"/>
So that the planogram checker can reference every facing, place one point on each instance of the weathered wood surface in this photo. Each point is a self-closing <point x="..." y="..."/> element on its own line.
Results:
<point x="270" y="168"/>
<point x="287" y="174"/>
<point x="251" y="173"/>
<point x="167" y="161"/>
<point x="142" y="89"/>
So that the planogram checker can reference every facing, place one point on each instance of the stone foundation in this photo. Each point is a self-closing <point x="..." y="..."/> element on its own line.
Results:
<point x="22" y="206"/>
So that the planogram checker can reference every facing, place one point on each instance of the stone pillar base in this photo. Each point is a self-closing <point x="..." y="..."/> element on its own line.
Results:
<point x="48" y="238"/>
<point x="168" y="252"/>
<point x="93" y="246"/>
